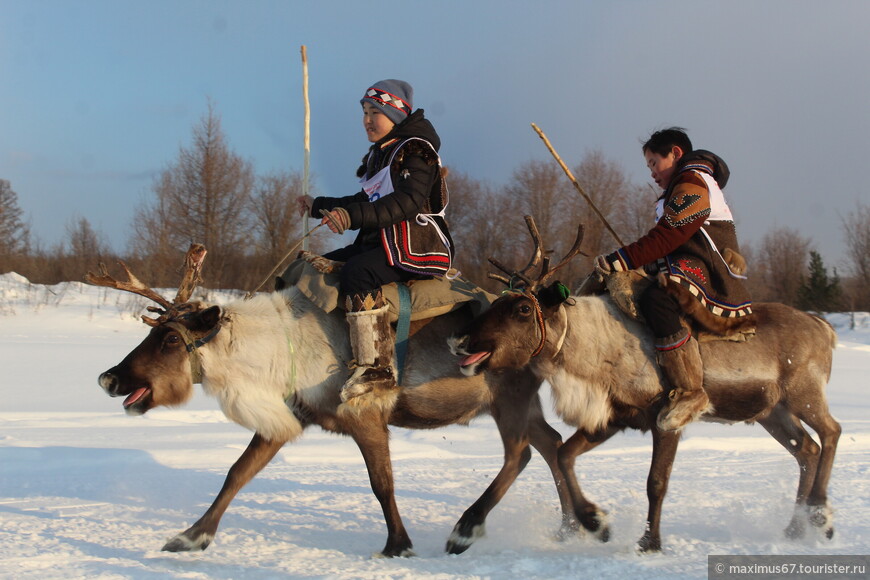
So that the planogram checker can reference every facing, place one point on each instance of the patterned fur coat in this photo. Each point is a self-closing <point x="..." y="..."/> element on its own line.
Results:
<point x="693" y="233"/>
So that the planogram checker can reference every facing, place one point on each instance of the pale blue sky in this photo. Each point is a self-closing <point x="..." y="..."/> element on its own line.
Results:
<point x="96" y="97"/>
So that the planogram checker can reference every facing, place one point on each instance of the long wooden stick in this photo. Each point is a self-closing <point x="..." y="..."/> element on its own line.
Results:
<point x="576" y="184"/>
<point x="274" y="271"/>
<point x="307" y="165"/>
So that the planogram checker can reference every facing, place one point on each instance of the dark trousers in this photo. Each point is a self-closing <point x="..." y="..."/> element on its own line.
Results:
<point x="662" y="313"/>
<point x="366" y="269"/>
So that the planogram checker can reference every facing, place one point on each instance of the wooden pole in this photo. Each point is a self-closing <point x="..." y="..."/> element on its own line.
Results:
<point x="576" y="184"/>
<point x="307" y="140"/>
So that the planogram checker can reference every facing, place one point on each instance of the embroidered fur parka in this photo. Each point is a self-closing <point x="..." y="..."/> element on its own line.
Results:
<point x="677" y="245"/>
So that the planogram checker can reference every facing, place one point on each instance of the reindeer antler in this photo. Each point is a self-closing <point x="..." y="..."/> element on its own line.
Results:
<point x="537" y="254"/>
<point x="131" y="285"/>
<point x="537" y="258"/>
<point x="192" y="268"/>
<point x="546" y="273"/>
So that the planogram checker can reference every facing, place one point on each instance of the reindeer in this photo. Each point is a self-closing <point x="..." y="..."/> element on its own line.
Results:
<point x="276" y="363"/>
<point x="604" y="377"/>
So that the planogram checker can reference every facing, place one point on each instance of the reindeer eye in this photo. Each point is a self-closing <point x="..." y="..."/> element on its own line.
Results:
<point x="172" y="338"/>
<point x="525" y="309"/>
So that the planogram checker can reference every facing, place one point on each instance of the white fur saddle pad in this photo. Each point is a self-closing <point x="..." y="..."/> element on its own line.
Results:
<point x="429" y="298"/>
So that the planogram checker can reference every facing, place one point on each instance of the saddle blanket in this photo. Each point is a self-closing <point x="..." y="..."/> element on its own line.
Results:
<point x="317" y="278"/>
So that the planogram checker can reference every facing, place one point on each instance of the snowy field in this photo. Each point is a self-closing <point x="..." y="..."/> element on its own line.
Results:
<point x="87" y="492"/>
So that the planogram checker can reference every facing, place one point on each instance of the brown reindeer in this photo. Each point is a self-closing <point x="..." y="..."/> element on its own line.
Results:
<point x="276" y="364"/>
<point x="604" y="377"/>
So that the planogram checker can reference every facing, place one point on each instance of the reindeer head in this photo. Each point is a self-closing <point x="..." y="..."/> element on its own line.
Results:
<point x="163" y="368"/>
<point x="514" y="329"/>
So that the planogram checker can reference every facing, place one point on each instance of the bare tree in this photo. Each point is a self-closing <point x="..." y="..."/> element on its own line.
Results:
<point x="754" y="282"/>
<point x="779" y="266"/>
<point x="480" y="218"/>
<point x="638" y="216"/>
<point x="153" y="252"/>
<point x="276" y="221"/>
<point x="83" y="248"/>
<point x="606" y="185"/>
<point x="203" y="197"/>
<point x="277" y="224"/>
<point x="491" y="222"/>
<point x="856" y="229"/>
<point x="627" y="207"/>
<point x="540" y="189"/>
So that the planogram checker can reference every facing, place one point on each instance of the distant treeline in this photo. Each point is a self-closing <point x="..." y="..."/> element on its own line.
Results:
<point x="248" y="222"/>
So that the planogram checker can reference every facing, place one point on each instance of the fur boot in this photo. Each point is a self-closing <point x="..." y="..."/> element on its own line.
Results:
<point x="368" y="320"/>
<point x="680" y="359"/>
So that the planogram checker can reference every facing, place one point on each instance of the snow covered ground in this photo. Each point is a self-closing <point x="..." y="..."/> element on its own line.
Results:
<point x="87" y="492"/>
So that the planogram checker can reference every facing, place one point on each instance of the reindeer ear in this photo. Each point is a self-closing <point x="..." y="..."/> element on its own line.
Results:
<point x="553" y="295"/>
<point x="206" y="319"/>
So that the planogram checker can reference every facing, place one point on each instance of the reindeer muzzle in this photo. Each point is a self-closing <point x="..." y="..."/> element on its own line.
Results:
<point x="109" y="382"/>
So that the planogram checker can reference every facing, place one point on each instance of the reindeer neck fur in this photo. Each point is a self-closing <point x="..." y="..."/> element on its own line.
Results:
<point x="281" y="342"/>
<point x="605" y="360"/>
<point x="253" y="365"/>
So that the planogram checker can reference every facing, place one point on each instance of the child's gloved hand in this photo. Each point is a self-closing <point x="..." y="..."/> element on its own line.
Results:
<point x="338" y="219"/>
<point x="602" y="266"/>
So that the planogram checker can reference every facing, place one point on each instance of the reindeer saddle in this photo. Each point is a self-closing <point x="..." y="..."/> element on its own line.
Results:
<point x="317" y="278"/>
<point x="626" y="287"/>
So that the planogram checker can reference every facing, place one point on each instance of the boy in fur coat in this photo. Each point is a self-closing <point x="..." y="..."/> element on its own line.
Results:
<point x="694" y="228"/>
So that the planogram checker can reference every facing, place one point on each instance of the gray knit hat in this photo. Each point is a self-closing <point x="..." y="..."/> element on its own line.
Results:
<point x="393" y="97"/>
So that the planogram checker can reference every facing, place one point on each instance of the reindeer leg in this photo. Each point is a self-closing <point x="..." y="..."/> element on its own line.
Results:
<point x="258" y="454"/>
<point x="547" y="442"/>
<point x="510" y="409"/>
<point x="369" y="429"/>
<point x="587" y="513"/>
<point x="664" y="452"/>
<point x="786" y="428"/>
<point x="817" y="416"/>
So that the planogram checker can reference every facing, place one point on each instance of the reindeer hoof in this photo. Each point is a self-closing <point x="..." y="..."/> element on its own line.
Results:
<point x="182" y="543"/>
<point x="458" y="541"/>
<point x="822" y="517"/>
<point x="649" y="544"/>
<point x="595" y="521"/>
<point x="406" y="553"/>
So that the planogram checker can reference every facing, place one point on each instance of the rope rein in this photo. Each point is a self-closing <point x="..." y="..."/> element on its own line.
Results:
<point x="539" y="315"/>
